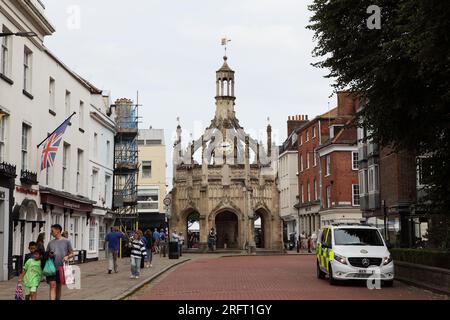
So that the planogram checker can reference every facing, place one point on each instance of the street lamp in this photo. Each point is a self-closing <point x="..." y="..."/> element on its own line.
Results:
<point x="24" y="34"/>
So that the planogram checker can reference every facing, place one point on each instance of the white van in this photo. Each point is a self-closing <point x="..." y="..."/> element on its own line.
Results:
<point x="353" y="252"/>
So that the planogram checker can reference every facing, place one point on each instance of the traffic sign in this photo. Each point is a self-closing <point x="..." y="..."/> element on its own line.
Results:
<point x="167" y="201"/>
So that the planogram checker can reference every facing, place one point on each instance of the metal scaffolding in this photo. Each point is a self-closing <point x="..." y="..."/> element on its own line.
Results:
<point x="126" y="164"/>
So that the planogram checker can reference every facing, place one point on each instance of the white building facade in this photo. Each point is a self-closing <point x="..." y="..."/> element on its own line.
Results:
<point x="152" y="178"/>
<point x="288" y="184"/>
<point x="101" y="173"/>
<point x="37" y="93"/>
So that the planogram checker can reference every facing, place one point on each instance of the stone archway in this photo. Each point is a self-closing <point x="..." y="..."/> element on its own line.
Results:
<point x="24" y="226"/>
<point x="227" y="228"/>
<point x="262" y="229"/>
<point x="193" y="230"/>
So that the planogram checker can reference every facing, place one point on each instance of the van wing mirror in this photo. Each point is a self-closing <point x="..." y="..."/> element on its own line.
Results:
<point x="389" y="245"/>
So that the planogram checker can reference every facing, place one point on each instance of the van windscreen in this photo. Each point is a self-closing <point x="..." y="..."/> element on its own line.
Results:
<point x="357" y="237"/>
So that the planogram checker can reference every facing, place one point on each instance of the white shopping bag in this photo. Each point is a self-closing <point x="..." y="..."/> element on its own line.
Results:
<point x="69" y="274"/>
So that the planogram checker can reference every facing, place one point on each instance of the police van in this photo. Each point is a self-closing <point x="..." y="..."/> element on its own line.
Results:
<point x="348" y="251"/>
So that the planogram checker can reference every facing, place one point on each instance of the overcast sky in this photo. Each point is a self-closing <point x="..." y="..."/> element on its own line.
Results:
<point x="169" y="50"/>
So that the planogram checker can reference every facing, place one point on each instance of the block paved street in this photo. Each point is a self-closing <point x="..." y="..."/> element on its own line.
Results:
<point x="96" y="284"/>
<point x="289" y="277"/>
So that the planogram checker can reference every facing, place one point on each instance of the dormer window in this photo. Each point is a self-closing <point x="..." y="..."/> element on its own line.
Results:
<point x="335" y="129"/>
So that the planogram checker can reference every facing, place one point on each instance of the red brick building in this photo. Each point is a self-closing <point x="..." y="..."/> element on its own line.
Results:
<point x="328" y="168"/>
<point x="390" y="187"/>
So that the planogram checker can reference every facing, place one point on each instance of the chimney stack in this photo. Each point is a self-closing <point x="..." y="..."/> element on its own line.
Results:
<point x="348" y="103"/>
<point x="295" y="122"/>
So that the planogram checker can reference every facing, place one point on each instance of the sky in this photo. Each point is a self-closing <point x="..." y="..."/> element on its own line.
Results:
<point x="169" y="51"/>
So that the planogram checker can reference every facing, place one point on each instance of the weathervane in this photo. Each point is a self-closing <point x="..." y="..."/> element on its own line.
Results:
<point x="225" y="44"/>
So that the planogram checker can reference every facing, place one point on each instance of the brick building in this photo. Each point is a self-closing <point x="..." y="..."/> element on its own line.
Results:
<point x="339" y="165"/>
<point x="328" y="168"/>
<point x="390" y="185"/>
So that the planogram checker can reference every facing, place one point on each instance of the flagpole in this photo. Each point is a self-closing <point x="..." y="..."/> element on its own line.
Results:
<point x="40" y="144"/>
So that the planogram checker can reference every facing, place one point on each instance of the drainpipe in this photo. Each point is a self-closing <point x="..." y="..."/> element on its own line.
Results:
<point x="320" y="172"/>
<point x="320" y="188"/>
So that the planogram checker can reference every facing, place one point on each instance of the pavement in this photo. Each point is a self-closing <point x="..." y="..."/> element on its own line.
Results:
<point x="97" y="284"/>
<point x="288" y="277"/>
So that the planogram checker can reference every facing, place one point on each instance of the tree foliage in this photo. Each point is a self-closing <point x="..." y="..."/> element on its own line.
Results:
<point x="402" y="72"/>
<point x="193" y="218"/>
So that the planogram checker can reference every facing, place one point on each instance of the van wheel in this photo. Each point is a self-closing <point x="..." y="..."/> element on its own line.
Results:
<point x="320" y="273"/>
<point x="388" y="283"/>
<point x="331" y="279"/>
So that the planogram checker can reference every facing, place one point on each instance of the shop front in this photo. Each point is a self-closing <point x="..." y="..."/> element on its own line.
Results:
<point x="27" y="222"/>
<point x="310" y="218"/>
<point x="7" y="176"/>
<point x="74" y="214"/>
<point x="102" y="220"/>
<point x="289" y="231"/>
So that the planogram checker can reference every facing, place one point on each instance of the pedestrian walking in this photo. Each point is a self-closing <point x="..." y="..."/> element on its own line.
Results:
<point x="40" y="245"/>
<point x="31" y="275"/>
<point x="212" y="237"/>
<point x="163" y="243"/>
<point x="303" y="240"/>
<point x="309" y="244"/>
<point x="40" y="242"/>
<point x="314" y="240"/>
<point x="149" y="245"/>
<point x="60" y="250"/>
<point x="180" y="243"/>
<point x="137" y="253"/>
<point x="113" y="240"/>
<point x="174" y="238"/>
<point x="32" y="248"/>
<point x="156" y="239"/>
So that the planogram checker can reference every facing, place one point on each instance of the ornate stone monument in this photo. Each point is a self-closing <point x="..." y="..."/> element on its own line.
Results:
<point x="227" y="180"/>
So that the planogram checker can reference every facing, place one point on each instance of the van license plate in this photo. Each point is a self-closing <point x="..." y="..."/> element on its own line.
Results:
<point x="365" y="271"/>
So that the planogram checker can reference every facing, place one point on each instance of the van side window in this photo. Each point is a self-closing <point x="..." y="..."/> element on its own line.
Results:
<point x="328" y="239"/>
<point x="324" y="236"/>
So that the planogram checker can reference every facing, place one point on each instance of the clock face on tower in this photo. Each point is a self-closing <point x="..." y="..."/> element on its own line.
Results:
<point x="225" y="147"/>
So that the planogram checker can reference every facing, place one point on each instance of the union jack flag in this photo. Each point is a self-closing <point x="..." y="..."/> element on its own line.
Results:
<point x="51" y="146"/>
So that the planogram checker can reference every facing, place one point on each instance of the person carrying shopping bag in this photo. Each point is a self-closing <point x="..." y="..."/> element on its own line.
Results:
<point x="59" y="251"/>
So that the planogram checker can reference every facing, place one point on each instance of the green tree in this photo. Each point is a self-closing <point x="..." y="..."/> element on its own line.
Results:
<point x="193" y="218"/>
<point x="402" y="71"/>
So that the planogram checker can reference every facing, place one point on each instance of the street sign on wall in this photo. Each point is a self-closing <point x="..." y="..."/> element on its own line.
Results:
<point x="167" y="201"/>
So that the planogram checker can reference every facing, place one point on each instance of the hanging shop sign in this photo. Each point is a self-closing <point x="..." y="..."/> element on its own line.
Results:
<point x="27" y="191"/>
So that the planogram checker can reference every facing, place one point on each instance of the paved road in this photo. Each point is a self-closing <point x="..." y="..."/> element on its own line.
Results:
<point x="96" y="284"/>
<point x="264" y="277"/>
